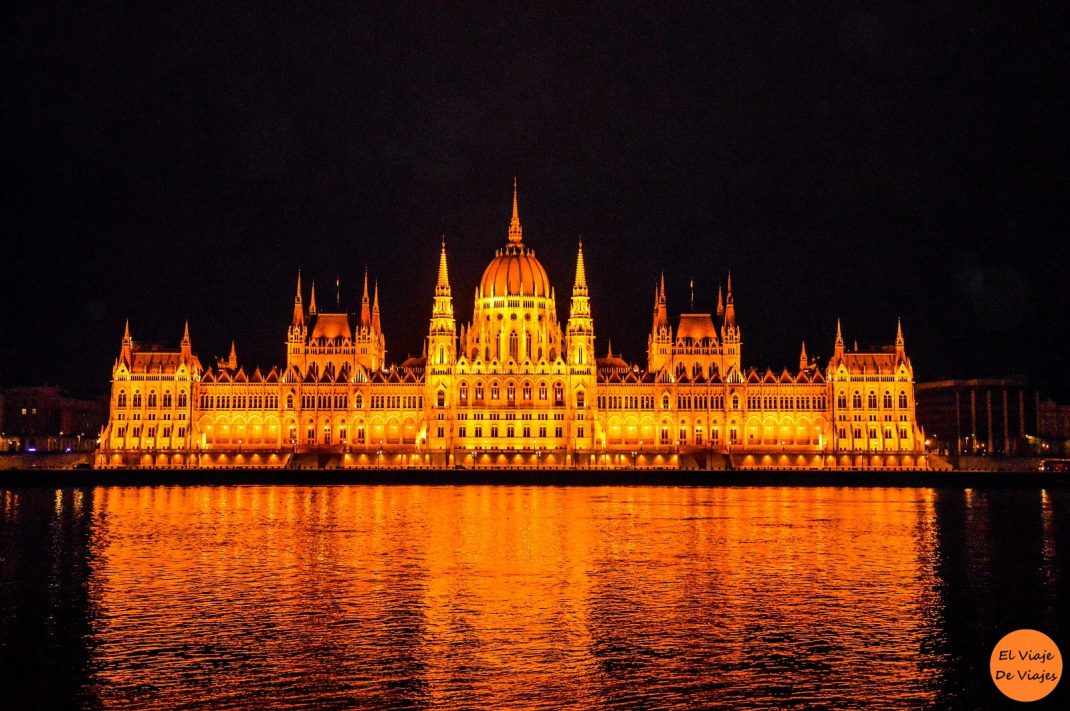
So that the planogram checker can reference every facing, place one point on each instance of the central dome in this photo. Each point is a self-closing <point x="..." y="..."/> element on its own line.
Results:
<point x="515" y="271"/>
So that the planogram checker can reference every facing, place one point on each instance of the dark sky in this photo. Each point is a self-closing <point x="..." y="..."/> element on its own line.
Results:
<point x="171" y="161"/>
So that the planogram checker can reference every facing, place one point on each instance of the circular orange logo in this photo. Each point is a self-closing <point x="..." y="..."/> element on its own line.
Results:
<point x="1026" y="665"/>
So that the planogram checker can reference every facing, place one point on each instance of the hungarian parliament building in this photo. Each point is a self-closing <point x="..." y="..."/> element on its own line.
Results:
<point x="514" y="387"/>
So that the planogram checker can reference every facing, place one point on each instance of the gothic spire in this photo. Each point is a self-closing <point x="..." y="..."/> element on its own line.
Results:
<point x="376" y="326"/>
<point x="232" y="360"/>
<point x="515" y="231"/>
<point x="839" y="338"/>
<point x="365" y="308"/>
<point x="312" y="300"/>
<point x="720" y="302"/>
<point x="443" y="284"/>
<point x="184" y="347"/>
<point x="581" y="272"/>
<point x="661" y="309"/>
<point x="729" y="305"/>
<point x="803" y="360"/>
<point x="299" y="312"/>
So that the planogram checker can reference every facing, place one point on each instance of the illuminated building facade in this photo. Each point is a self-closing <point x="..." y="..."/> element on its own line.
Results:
<point x="513" y="387"/>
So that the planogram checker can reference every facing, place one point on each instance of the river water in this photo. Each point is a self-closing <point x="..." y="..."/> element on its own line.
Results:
<point x="522" y="597"/>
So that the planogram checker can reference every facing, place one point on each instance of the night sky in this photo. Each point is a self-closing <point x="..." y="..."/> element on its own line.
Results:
<point x="172" y="161"/>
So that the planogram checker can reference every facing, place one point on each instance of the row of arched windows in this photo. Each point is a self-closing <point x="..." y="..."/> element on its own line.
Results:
<point x="787" y="402"/>
<point x="137" y="401"/>
<point x="871" y="400"/>
<point x="463" y="392"/>
<point x="251" y="401"/>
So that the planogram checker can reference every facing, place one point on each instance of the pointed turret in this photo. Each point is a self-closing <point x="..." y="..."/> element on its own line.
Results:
<point x="838" y="350"/>
<point x="720" y="302"/>
<point x="900" y="344"/>
<point x="376" y="326"/>
<point x="299" y="311"/>
<point x="609" y="348"/>
<point x="659" y="342"/>
<point x="730" y="305"/>
<point x="126" y="352"/>
<point x="580" y="328"/>
<point x="516" y="232"/>
<point x="187" y="351"/>
<point x="365" y="307"/>
<point x="581" y="273"/>
<point x="232" y="360"/>
<point x="804" y="362"/>
<point x="312" y="301"/>
<point x="442" y="287"/>
<point x="661" y="314"/>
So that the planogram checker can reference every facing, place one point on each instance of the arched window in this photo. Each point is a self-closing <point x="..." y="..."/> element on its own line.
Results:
<point x="121" y="400"/>
<point x="152" y="398"/>
<point x="856" y="400"/>
<point x="514" y="346"/>
<point x="887" y="400"/>
<point x="182" y="401"/>
<point x="464" y="392"/>
<point x="495" y="391"/>
<point x="664" y="402"/>
<point x="680" y="370"/>
<point x="167" y="400"/>
<point x="696" y="370"/>
<point x="579" y="399"/>
<point x="441" y="399"/>
<point x="735" y="402"/>
<point x="137" y="398"/>
<point x="872" y="400"/>
<point x="358" y="402"/>
<point x="841" y="400"/>
<point x="902" y="400"/>
<point x="559" y="394"/>
<point x="290" y="401"/>
<point x="527" y="391"/>
<point x="479" y="391"/>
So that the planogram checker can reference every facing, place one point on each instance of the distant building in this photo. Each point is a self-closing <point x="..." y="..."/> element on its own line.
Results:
<point x="978" y="416"/>
<point x="42" y="419"/>
<point x="1054" y="421"/>
<point x="514" y="387"/>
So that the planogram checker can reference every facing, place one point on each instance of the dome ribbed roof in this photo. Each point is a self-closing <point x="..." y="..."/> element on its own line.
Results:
<point x="515" y="271"/>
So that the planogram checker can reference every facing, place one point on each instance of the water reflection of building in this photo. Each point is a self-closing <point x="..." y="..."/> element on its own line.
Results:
<point x="512" y="387"/>
<point x="984" y="415"/>
<point x="43" y="419"/>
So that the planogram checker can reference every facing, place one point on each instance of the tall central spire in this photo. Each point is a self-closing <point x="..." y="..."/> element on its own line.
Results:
<point x="515" y="231"/>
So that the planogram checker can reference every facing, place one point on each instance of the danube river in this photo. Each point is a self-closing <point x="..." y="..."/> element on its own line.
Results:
<point x="522" y="597"/>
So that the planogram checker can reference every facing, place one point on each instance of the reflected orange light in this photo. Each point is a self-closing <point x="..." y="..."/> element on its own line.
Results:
<point x="486" y="596"/>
